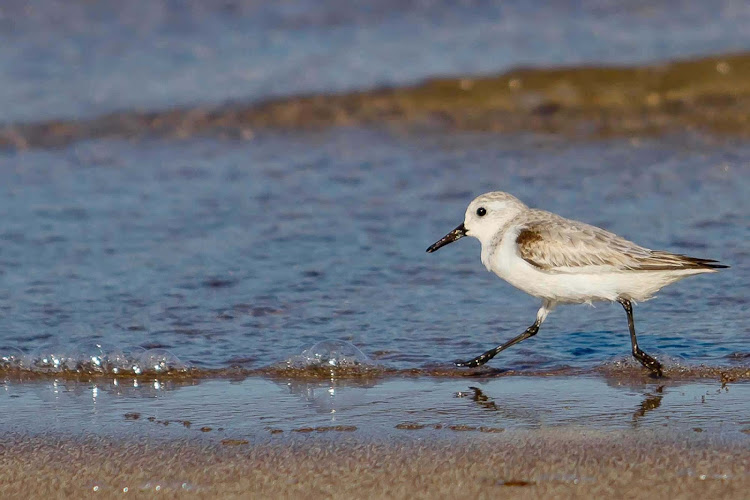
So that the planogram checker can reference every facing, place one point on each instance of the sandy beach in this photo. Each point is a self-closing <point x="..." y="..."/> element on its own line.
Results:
<point x="518" y="437"/>
<point x="539" y="464"/>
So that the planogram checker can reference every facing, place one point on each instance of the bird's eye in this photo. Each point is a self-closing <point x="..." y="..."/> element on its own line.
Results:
<point x="481" y="212"/>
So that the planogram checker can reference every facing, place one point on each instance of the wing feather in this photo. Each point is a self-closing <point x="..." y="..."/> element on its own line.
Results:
<point x="553" y="243"/>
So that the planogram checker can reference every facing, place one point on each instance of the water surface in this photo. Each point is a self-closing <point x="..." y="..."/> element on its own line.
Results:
<point x="243" y="254"/>
<point x="262" y="410"/>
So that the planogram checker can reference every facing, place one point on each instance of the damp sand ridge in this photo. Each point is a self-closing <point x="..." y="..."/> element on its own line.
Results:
<point x="709" y="94"/>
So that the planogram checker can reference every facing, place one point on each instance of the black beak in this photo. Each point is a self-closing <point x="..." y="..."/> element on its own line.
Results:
<point x="454" y="235"/>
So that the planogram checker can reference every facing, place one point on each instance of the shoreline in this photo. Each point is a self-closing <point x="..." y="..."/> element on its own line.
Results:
<point x="706" y="94"/>
<point x="625" y="370"/>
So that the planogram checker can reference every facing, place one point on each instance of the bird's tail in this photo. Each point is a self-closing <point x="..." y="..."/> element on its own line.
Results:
<point x="668" y="260"/>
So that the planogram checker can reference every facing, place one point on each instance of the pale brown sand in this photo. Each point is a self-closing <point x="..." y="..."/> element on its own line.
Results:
<point x="530" y="464"/>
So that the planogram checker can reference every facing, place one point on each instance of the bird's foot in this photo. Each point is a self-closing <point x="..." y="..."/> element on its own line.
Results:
<point x="648" y="362"/>
<point x="473" y="363"/>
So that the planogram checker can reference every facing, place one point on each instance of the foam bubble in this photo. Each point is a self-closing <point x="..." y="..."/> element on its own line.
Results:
<point x="11" y="358"/>
<point x="330" y="354"/>
<point x="161" y="361"/>
<point x="51" y="359"/>
<point x="126" y="360"/>
<point x="90" y="357"/>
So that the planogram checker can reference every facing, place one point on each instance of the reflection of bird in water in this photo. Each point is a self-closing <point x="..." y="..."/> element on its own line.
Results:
<point x="565" y="261"/>
<point x="482" y="400"/>
<point x="507" y="412"/>
<point x="652" y="402"/>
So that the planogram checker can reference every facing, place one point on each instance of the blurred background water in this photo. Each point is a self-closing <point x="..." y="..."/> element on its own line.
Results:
<point x="78" y="58"/>
<point x="230" y="253"/>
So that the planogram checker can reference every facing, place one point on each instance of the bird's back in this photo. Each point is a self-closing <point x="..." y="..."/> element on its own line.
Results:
<point x="554" y="243"/>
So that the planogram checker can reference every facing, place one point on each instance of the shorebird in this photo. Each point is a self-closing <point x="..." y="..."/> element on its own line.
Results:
<point x="563" y="261"/>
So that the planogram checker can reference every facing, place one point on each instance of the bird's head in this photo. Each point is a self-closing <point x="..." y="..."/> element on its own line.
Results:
<point x="485" y="216"/>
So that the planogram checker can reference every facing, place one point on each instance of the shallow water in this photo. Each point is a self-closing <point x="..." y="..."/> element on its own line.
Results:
<point x="244" y="254"/>
<point x="74" y="58"/>
<point x="396" y="408"/>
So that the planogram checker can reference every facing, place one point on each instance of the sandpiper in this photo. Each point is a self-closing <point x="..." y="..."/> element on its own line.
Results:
<point x="564" y="261"/>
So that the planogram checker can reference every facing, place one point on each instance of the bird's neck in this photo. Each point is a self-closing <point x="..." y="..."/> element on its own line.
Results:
<point x="491" y="244"/>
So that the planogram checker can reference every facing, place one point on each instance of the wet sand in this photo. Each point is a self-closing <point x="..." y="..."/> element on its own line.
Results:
<point x="710" y="94"/>
<point x="538" y="464"/>
<point x="422" y="437"/>
<point x="624" y="369"/>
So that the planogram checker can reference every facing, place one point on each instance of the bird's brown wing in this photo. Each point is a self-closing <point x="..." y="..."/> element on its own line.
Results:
<point x="553" y="243"/>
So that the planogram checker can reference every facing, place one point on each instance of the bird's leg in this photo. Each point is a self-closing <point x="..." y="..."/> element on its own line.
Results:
<point x="547" y="306"/>
<point x="483" y="358"/>
<point x="638" y="354"/>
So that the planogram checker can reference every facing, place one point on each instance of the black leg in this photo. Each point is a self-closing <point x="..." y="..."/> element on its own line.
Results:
<point x="483" y="358"/>
<point x="641" y="356"/>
